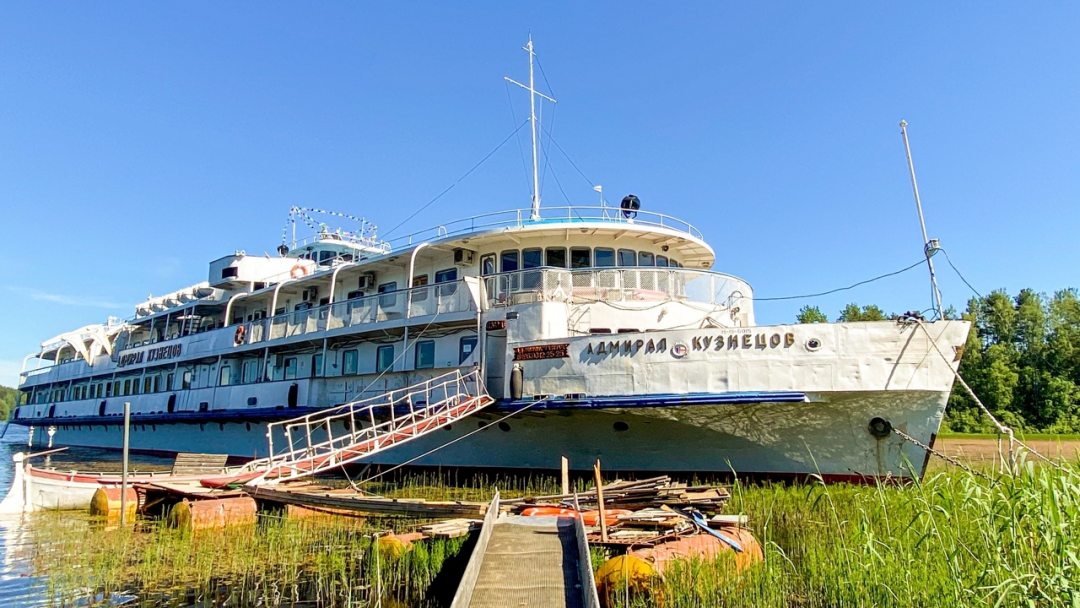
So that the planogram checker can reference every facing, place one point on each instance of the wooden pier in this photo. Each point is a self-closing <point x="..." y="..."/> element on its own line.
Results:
<point x="528" y="561"/>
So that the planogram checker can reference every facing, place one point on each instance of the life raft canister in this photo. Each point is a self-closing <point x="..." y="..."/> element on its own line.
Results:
<point x="298" y="270"/>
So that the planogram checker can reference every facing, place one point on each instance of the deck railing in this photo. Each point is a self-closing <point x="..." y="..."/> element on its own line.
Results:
<point x="615" y="285"/>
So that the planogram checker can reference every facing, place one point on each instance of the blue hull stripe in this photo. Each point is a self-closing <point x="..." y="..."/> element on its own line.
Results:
<point x="506" y="405"/>
<point x="654" y="400"/>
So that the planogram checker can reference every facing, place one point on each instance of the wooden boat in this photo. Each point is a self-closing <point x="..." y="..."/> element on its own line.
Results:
<point x="36" y="488"/>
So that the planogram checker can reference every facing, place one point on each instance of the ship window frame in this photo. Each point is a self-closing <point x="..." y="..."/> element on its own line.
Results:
<point x="424" y="354"/>
<point x="185" y="380"/>
<point x="665" y="259"/>
<point x="388" y="294"/>
<point x="418" y="281"/>
<point x="472" y="341"/>
<point x="290" y="368"/>
<point x="316" y="365"/>
<point x="609" y="263"/>
<point x="225" y="375"/>
<point x="252" y="376"/>
<point x="578" y="264"/>
<point x="506" y="256"/>
<point x="622" y="255"/>
<point x="553" y="263"/>
<point x="643" y="255"/>
<point x="382" y="365"/>
<point x="488" y="264"/>
<point x="441" y="275"/>
<point x="350" y="360"/>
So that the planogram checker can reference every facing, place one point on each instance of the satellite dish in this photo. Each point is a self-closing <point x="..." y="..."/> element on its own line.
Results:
<point x="630" y="205"/>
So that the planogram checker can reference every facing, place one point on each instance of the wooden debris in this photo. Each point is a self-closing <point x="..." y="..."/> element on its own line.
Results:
<point x="349" y="500"/>
<point x="451" y="528"/>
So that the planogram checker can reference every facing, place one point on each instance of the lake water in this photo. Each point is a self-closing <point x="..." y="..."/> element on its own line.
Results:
<point x="20" y="585"/>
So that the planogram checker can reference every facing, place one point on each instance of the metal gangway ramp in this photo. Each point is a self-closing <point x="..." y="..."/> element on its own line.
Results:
<point x="528" y="561"/>
<point x="347" y="433"/>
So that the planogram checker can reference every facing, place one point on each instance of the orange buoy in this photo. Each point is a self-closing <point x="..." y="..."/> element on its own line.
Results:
<point x="611" y="516"/>
<point x="549" y="512"/>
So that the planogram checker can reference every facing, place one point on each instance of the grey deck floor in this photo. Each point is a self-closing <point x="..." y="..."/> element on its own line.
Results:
<point x="530" y="561"/>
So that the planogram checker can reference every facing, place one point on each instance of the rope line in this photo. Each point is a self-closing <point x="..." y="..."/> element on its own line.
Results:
<point x="458" y="180"/>
<point x="838" y="289"/>
<point x="941" y="455"/>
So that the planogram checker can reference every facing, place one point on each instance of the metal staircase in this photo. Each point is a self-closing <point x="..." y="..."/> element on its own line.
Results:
<point x="347" y="433"/>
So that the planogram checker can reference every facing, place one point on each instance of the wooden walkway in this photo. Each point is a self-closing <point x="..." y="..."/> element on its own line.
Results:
<point x="528" y="561"/>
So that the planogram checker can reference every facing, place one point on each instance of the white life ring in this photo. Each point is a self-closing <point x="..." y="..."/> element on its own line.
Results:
<point x="298" y="270"/>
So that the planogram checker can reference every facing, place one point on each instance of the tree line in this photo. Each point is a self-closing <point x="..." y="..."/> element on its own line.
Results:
<point x="1022" y="359"/>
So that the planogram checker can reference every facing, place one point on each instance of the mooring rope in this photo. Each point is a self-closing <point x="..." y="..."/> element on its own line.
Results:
<point x="1002" y="428"/>
<point x="941" y="455"/>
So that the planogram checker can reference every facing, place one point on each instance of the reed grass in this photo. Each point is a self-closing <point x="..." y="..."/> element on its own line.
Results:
<point x="952" y="540"/>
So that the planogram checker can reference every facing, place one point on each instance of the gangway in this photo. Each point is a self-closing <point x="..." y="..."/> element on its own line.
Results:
<point x="347" y="433"/>
<point x="528" y="561"/>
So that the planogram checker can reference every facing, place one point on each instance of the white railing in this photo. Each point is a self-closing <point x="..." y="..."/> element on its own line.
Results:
<point x="628" y="284"/>
<point x="517" y="218"/>
<point x="346" y="433"/>
<point x="440" y="298"/>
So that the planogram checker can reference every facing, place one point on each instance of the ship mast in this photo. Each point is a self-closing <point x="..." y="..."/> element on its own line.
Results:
<point x="930" y="246"/>
<point x="533" y="94"/>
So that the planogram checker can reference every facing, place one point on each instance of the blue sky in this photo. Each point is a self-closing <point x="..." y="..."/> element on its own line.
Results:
<point x="139" y="141"/>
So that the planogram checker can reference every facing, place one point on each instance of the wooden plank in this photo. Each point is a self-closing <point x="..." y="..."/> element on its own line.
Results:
<point x="366" y="504"/>
<point x="190" y="463"/>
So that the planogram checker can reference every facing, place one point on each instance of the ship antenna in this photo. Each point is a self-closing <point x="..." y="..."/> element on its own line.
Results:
<point x="930" y="246"/>
<point x="533" y="94"/>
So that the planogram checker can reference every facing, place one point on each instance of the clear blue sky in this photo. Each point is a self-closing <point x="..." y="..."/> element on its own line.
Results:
<point x="139" y="141"/>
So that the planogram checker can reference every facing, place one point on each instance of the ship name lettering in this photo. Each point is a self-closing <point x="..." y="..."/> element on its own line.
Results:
<point x="626" y="347"/>
<point x="758" y="340"/>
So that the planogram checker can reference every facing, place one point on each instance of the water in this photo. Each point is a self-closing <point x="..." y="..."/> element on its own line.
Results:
<point x="20" y="585"/>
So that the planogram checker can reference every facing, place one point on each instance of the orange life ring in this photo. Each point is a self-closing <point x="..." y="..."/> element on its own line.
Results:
<point x="298" y="270"/>
<point x="238" y="337"/>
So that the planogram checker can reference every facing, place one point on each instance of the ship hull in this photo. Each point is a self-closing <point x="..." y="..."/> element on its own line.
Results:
<point x="825" y="435"/>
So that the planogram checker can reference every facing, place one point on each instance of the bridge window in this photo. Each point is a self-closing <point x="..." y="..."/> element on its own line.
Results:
<point x="662" y="261"/>
<point x="580" y="257"/>
<point x="627" y="257"/>
<point x="604" y="256"/>
<point x="509" y="261"/>
<point x="487" y="264"/>
<point x="425" y="354"/>
<point x="646" y="258"/>
<point x="556" y="257"/>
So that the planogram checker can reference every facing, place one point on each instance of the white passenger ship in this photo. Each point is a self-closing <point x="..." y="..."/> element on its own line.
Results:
<point x="605" y="331"/>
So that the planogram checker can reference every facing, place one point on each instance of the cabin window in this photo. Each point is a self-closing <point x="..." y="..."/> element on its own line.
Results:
<point x="580" y="257"/>
<point x="419" y="295"/>
<point x="445" y="280"/>
<point x="384" y="358"/>
<point x="387" y="301"/>
<point x="487" y="264"/>
<point x="316" y="365"/>
<point x="354" y="294"/>
<point x="509" y="261"/>
<point x="425" y="354"/>
<point x="185" y="380"/>
<point x="627" y="257"/>
<point x="290" y="368"/>
<point x="350" y="359"/>
<point x="251" y="371"/>
<point x="604" y="257"/>
<point x="645" y="258"/>
<point x="662" y="261"/>
<point x="225" y="376"/>
<point x="466" y="348"/>
<point x="555" y="257"/>
<point x="326" y="257"/>
<point x="169" y="382"/>
<point x="531" y="258"/>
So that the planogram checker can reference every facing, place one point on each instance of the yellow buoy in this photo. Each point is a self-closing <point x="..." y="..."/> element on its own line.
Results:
<point x="624" y="573"/>
<point x="106" y="503"/>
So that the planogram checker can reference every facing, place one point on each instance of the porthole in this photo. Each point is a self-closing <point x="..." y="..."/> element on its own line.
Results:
<point x="620" y="426"/>
<point x="504" y="427"/>
<point x="813" y="344"/>
<point x="448" y="427"/>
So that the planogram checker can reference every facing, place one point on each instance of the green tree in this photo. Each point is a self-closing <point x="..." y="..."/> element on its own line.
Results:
<point x="7" y="401"/>
<point x="811" y="314"/>
<point x="870" y="312"/>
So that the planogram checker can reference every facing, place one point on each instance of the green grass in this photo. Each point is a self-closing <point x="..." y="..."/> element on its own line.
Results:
<point x="1019" y="435"/>
<point x="952" y="540"/>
